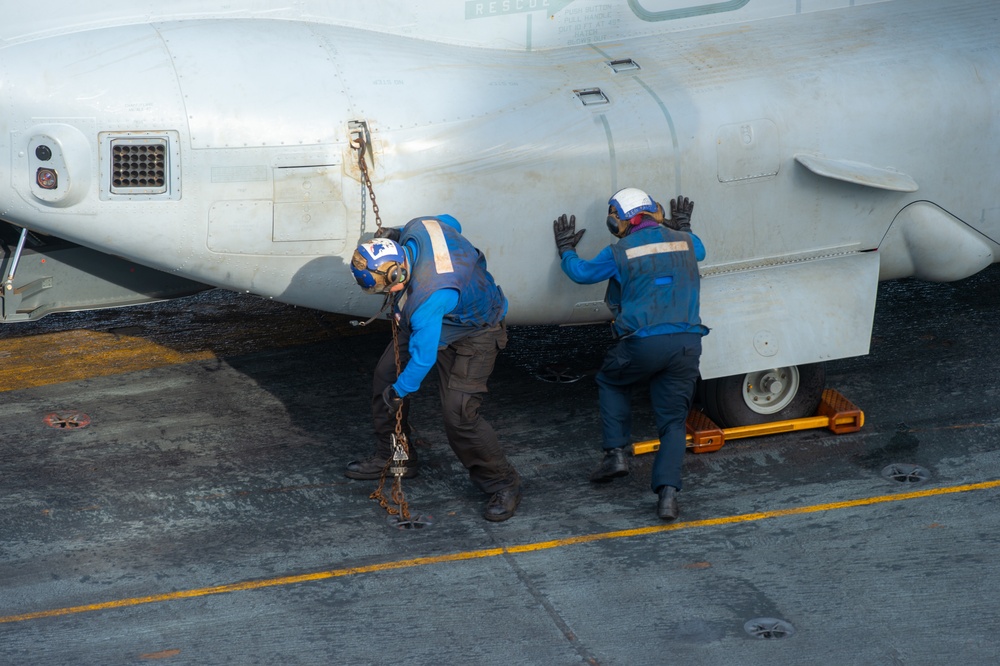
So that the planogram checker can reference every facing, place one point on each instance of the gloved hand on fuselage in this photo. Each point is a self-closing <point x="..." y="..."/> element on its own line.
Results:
<point x="566" y="234"/>
<point x="680" y="214"/>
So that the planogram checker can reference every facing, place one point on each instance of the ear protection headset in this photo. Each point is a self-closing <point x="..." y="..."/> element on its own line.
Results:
<point x="617" y="226"/>
<point x="395" y="273"/>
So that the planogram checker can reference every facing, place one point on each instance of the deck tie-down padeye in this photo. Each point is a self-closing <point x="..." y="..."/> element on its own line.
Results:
<point x="835" y="412"/>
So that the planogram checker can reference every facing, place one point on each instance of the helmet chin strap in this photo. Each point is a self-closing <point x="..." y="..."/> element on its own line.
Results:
<point x="385" y="304"/>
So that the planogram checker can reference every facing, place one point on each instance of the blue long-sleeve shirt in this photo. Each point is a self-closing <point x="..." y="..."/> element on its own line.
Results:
<point x="425" y="339"/>
<point x="603" y="266"/>
<point x="426" y="324"/>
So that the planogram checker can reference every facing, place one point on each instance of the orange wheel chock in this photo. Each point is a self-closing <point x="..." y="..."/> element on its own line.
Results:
<point x="835" y="412"/>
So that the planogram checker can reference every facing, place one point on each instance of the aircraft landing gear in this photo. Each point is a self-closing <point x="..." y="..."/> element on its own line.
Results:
<point x="758" y="397"/>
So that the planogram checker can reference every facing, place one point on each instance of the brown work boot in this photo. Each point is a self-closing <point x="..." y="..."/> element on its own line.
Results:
<point x="371" y="468"/>
<point x="503" y="504"/>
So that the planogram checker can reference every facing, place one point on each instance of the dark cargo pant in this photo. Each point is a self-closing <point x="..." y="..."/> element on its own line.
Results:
<point x="464" y="367"/>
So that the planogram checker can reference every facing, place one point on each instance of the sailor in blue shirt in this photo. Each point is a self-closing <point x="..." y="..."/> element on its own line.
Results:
<point x="653" y="292"/>
<point x="450" y="314"/>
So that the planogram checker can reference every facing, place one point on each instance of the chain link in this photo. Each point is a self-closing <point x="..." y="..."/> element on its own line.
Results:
<point x="400" y="454"/>
<point x="400" y="446"/>
<point x="367" y="184"/>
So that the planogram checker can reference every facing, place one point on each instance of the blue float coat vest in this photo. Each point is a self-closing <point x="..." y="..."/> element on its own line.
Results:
<point x="658" y="288"/>
<point x="446" y="260"/>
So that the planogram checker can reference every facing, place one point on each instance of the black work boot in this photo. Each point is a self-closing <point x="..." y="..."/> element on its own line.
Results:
<point x="666" y="508"/>
<point x="503" y="504"/>
<point x="371" y="468"/>
<point x="615" y="464"/>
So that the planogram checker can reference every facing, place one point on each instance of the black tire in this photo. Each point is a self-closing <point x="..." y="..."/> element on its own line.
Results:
<point x="727" y="400"/>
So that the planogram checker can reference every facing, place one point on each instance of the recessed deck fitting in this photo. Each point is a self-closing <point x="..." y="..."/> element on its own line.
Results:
<point x="414" y="523"/>
<point x="906" y="473"/>
<point x="67" y="420"/>
<point x="769" y="628"/>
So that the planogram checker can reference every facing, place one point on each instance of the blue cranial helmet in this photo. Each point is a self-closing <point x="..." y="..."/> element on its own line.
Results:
<point x="379" y="264"/>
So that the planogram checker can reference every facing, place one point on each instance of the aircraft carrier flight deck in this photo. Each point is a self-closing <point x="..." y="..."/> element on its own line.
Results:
<point x="172" y="491"/>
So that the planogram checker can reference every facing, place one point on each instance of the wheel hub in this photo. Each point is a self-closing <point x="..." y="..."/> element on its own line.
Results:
<point x="771" y="384"/>
<point x="770" y="391"/>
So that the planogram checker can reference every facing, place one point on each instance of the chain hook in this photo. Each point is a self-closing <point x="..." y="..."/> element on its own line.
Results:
<point x="359" y="141"/>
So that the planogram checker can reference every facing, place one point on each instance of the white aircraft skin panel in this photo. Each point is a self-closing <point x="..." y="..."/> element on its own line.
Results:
<point x="769" y="308"/>
<point x="269" y="198"/>
<point x="79" y="77"/>
<point x="661" y="79"/>
<point x="217" y="87"/>
<point x="518" y="25"/>
<point x="939" y="90"/>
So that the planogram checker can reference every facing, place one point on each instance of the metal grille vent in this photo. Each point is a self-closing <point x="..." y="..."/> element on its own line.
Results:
<point x="138" y="166"/>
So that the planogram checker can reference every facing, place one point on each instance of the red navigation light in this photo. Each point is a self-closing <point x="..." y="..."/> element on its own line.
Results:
<point x="47" y="179"/>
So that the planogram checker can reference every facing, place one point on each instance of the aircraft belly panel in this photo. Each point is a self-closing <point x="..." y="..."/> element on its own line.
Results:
<point x="797" y="313"/>
<point x="310" y="221"/>
<point x="262" y="227"/>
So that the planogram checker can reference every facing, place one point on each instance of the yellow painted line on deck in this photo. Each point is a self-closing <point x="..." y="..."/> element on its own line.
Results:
<point x="494" y="552"/>
<point x="75" y="355"/>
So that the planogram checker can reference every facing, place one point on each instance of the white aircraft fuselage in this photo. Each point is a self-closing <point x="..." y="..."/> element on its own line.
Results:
<point x="825" y="149"/>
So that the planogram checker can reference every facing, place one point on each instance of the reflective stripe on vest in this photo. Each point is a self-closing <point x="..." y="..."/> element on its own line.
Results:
<point x="656" y="248"/>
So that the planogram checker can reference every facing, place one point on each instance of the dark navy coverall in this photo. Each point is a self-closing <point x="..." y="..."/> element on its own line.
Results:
<point x="653" y="291"/>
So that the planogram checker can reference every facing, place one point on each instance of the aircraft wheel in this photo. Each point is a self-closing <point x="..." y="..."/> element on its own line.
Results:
<point x="775" y="394"/>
